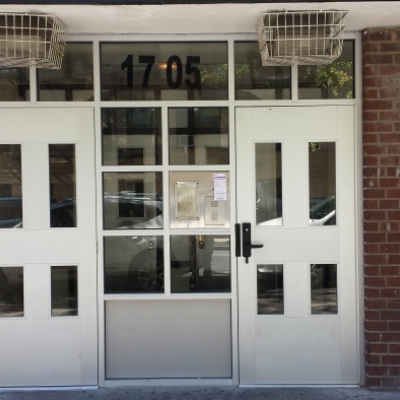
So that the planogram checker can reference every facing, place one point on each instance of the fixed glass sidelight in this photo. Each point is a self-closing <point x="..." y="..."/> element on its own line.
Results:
<point x="10" y="186"/>
<point x="198" y="136"/>
<point x="322" y="182"/>
<point x="62" y="186"/>
<point x="131" y="136"/>
<point x="200" y="263"/>
<point x="268" y="183"/>
<point x="133" y="264"/>
<point x="11" y="292"/>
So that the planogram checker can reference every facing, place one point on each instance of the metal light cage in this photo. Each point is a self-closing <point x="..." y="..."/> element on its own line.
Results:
<point x="31" y="39"/>
<point x="300" y="37"/>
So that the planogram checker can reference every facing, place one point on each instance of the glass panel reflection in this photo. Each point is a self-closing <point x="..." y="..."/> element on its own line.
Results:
<point x="332" y="81"/>
<point x="74" y="81"/>
<point x="322" y="180"/>
<point x="11" y="292"/>
<point x="14" y="84"/>
<point x="268" y="184"/>
<point x="200" y="263"/>
<point x="132" y="200"/>
<point x="10" y="186"/>
<point x="62" y="185"/>
<point x="324" y="289"/>
<point x="131" y="136"/>
<point x="164" y="71"/>
<point x="255" y="82"/>
<point x="270" y="289"/>
<point x="198" y="136"/>
<point x="64" y="291"/>
<point x="133" y="264"/>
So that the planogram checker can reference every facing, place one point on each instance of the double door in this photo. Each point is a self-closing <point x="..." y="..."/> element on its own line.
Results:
<point x="297" y="276"/>
<point x="48" y="304"/>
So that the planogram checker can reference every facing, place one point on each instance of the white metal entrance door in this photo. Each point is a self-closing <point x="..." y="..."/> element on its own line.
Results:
<point x="297" y="294"/>
<point x="48" y="248"/>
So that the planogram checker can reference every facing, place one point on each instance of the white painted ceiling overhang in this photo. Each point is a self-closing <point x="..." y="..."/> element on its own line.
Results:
<point x="226" y="18"/>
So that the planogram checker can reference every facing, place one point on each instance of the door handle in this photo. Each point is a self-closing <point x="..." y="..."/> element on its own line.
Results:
<point x="247" y="245"/>
<point x="237" y="240"/>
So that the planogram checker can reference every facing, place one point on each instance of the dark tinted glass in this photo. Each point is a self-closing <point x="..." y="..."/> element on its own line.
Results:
<point x="62" y="185"/>
<point x="11" y="292"/>
<point x="133" y="264"/>
<point x="14" y="84"/>
<point x="270" y="298"/>
<point x="64" y="291"/>
<point x="324" y="289"/>
<point x="10" y="186"/>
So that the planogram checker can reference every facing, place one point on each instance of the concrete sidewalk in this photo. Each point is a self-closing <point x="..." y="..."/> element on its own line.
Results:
<point x="201" y="393"/>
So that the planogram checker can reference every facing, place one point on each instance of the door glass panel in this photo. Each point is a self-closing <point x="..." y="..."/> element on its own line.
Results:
<point x="133" y="264"/>
<point x="11" y="292"/>
<point x="62" y="185"/>
<point x="332" y="81"/>
<point x="269" y="184"/>
<point x="200" y="263"/>
<point x="270" y="289"/>
<point x="255" y="82"/>
<point x="324" y="289"/>
<point x="10" y="186"/>
<point x="14" y="84"/>
<point x="164" y="71"/>
<point x="64" y="291"/>
<point x="198" y="136"/>
<point x="131" y="136"/>
<point x="132" y="200"/>
<point x="74" y="81"/>
<point x="322" y="176"/>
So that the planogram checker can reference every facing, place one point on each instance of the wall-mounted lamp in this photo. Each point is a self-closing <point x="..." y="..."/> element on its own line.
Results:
<point x="31" y="39"/>
<point x="300" y="37"/>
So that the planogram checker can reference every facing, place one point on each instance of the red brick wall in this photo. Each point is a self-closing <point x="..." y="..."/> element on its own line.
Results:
<point x="381" y="174"/>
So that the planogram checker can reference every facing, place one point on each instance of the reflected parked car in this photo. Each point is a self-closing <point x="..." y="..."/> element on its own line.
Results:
<point x="322" y="212"/>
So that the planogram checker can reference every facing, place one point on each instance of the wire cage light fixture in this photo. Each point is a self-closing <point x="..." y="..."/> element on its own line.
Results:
<point x="31" y="39"/>
<point x="300" y="37"/>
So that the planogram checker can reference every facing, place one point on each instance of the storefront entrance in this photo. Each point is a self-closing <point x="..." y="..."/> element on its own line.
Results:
<point x="295" y="190"/>
<point x="48" y="327"/>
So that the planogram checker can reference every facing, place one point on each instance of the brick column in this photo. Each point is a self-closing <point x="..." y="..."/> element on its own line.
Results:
<point x="381" y="174"/>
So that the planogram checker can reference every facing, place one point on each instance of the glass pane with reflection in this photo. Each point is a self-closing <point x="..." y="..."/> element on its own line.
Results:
<point x="132" y="200"/>
<point x="322" y="181"/>
<point x="268" y="184"/>
<point x="332" y="81"/>
<point x="74" y="81"/>
<point x="14" y="84"/>
<point x="11" y="292"/>
<point x="324" y="289"/>
<point x="62" y="186"/>
<point x="164" y="71"/>
<point x="255" y="82"/>
<point x="10" y="186"/>
<point x="131" y="136"/>
<point x="198" y="136"/>
<point x="270" y="289"/>
<point x="133" y="264"/>
<point x="64" y="291"/>
<point x="200" y="263"/>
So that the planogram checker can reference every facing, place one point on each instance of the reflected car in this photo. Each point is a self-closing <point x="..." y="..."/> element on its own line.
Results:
<point x="136" y="263"/>
<point x="322" y="212"/>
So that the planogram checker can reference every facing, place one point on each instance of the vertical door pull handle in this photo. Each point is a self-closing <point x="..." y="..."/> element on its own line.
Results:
<point x="237" y="240"/>
<point x="247" y="245"/>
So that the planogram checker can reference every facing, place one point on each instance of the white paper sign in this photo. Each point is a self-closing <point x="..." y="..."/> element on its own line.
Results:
<point x="219" y="187"/>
